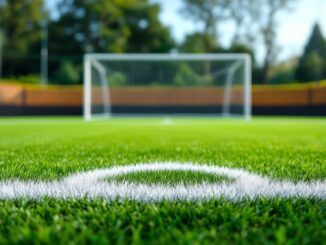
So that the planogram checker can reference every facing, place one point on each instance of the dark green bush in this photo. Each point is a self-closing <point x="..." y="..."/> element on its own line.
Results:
<point x="117" y="79"/>
<point x="30" y="78"/>
<point x="185" y="76"/>
<point x="67" y="73"/>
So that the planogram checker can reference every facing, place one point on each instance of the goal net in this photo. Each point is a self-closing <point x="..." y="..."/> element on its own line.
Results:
<point x="167" y="84"/>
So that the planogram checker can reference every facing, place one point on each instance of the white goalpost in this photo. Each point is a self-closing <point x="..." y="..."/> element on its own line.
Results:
<point x="167" y="85"/>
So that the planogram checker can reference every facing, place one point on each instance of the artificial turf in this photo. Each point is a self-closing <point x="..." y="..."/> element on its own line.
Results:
<point x="51" y="148"/>
<point x="170" y="177"/>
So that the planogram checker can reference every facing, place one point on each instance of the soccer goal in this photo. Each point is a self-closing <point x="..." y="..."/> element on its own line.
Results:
<point x="167" y="85"/>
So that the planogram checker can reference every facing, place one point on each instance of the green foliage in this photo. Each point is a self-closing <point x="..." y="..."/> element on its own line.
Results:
<point x="269" y="14"/>
<point x="209" y="13"/>
<point x="283" y="73"/>
<point x="51" y="148"/>
<point x="195" y="43"/>
<point x="117" y="79"/>
<point x="147" y="33"/>
<point x="20" y="24"/>
<point x="67" y="73"/>
<point x="108" y="26"/>
<point x="243" y="49"/>
<point x="252" y="19"/>
<point x="81" y="26"/>
<point x="282" y="77"/>
<point x="133" y="26"/>
<point x="32" y="78"/>
<point x="186" y="76"/>
<point x="312" y="64"/>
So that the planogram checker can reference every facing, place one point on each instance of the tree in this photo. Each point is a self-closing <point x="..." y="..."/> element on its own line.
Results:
<point x="20" y="24"/>
<point x="107" y="26"/>
<point x="242" y="48"/>
<point x="312" y="64"/>
<point x="111" y="26"/>
<point x="269" y="13"/>
<point x="147" y="33"/>
<point x="186" y="76"/>
<point x="208" y="13"/>
<point x="66" y="74"/>
<point x="194" y="43"/>
<point x="244" y="14"/>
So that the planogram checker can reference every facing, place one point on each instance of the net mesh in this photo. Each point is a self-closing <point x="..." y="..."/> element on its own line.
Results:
<point x="194" y="87"/>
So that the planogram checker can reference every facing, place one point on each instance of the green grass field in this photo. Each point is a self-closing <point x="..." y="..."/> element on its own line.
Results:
<point x="52" y="148"/>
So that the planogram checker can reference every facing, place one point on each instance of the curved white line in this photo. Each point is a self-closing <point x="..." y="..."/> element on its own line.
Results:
<point x="246" y="186"/>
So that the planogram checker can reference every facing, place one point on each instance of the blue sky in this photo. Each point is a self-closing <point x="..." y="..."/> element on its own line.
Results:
<point x="294" y="28"/>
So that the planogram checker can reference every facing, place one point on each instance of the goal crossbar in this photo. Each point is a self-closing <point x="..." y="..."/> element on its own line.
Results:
<point x="94" y="61"/>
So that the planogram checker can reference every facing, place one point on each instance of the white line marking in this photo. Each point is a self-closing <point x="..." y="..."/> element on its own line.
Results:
<point x="167" y="121"/>
<point x="246" y="186"/>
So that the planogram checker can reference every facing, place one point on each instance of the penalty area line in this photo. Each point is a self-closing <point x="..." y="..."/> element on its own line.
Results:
<point x="92" y="184"/>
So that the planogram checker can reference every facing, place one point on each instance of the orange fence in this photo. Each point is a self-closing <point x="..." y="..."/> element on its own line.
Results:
<point x="166" y="96"/>
<point x="64" y="96"/>
<point x="289" y="97"/>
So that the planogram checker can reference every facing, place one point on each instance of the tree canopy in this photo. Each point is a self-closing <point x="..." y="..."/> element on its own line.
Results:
<point x="133" y="26"/>
<point x="81" y="26"/>
<point x="209" y="14"/>
<point x="312" y="64"/>
<point x="20" y="24"/>
<point x="111" y="26"/>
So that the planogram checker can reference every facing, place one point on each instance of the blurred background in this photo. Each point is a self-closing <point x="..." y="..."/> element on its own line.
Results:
<point x="42" y="44"/>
